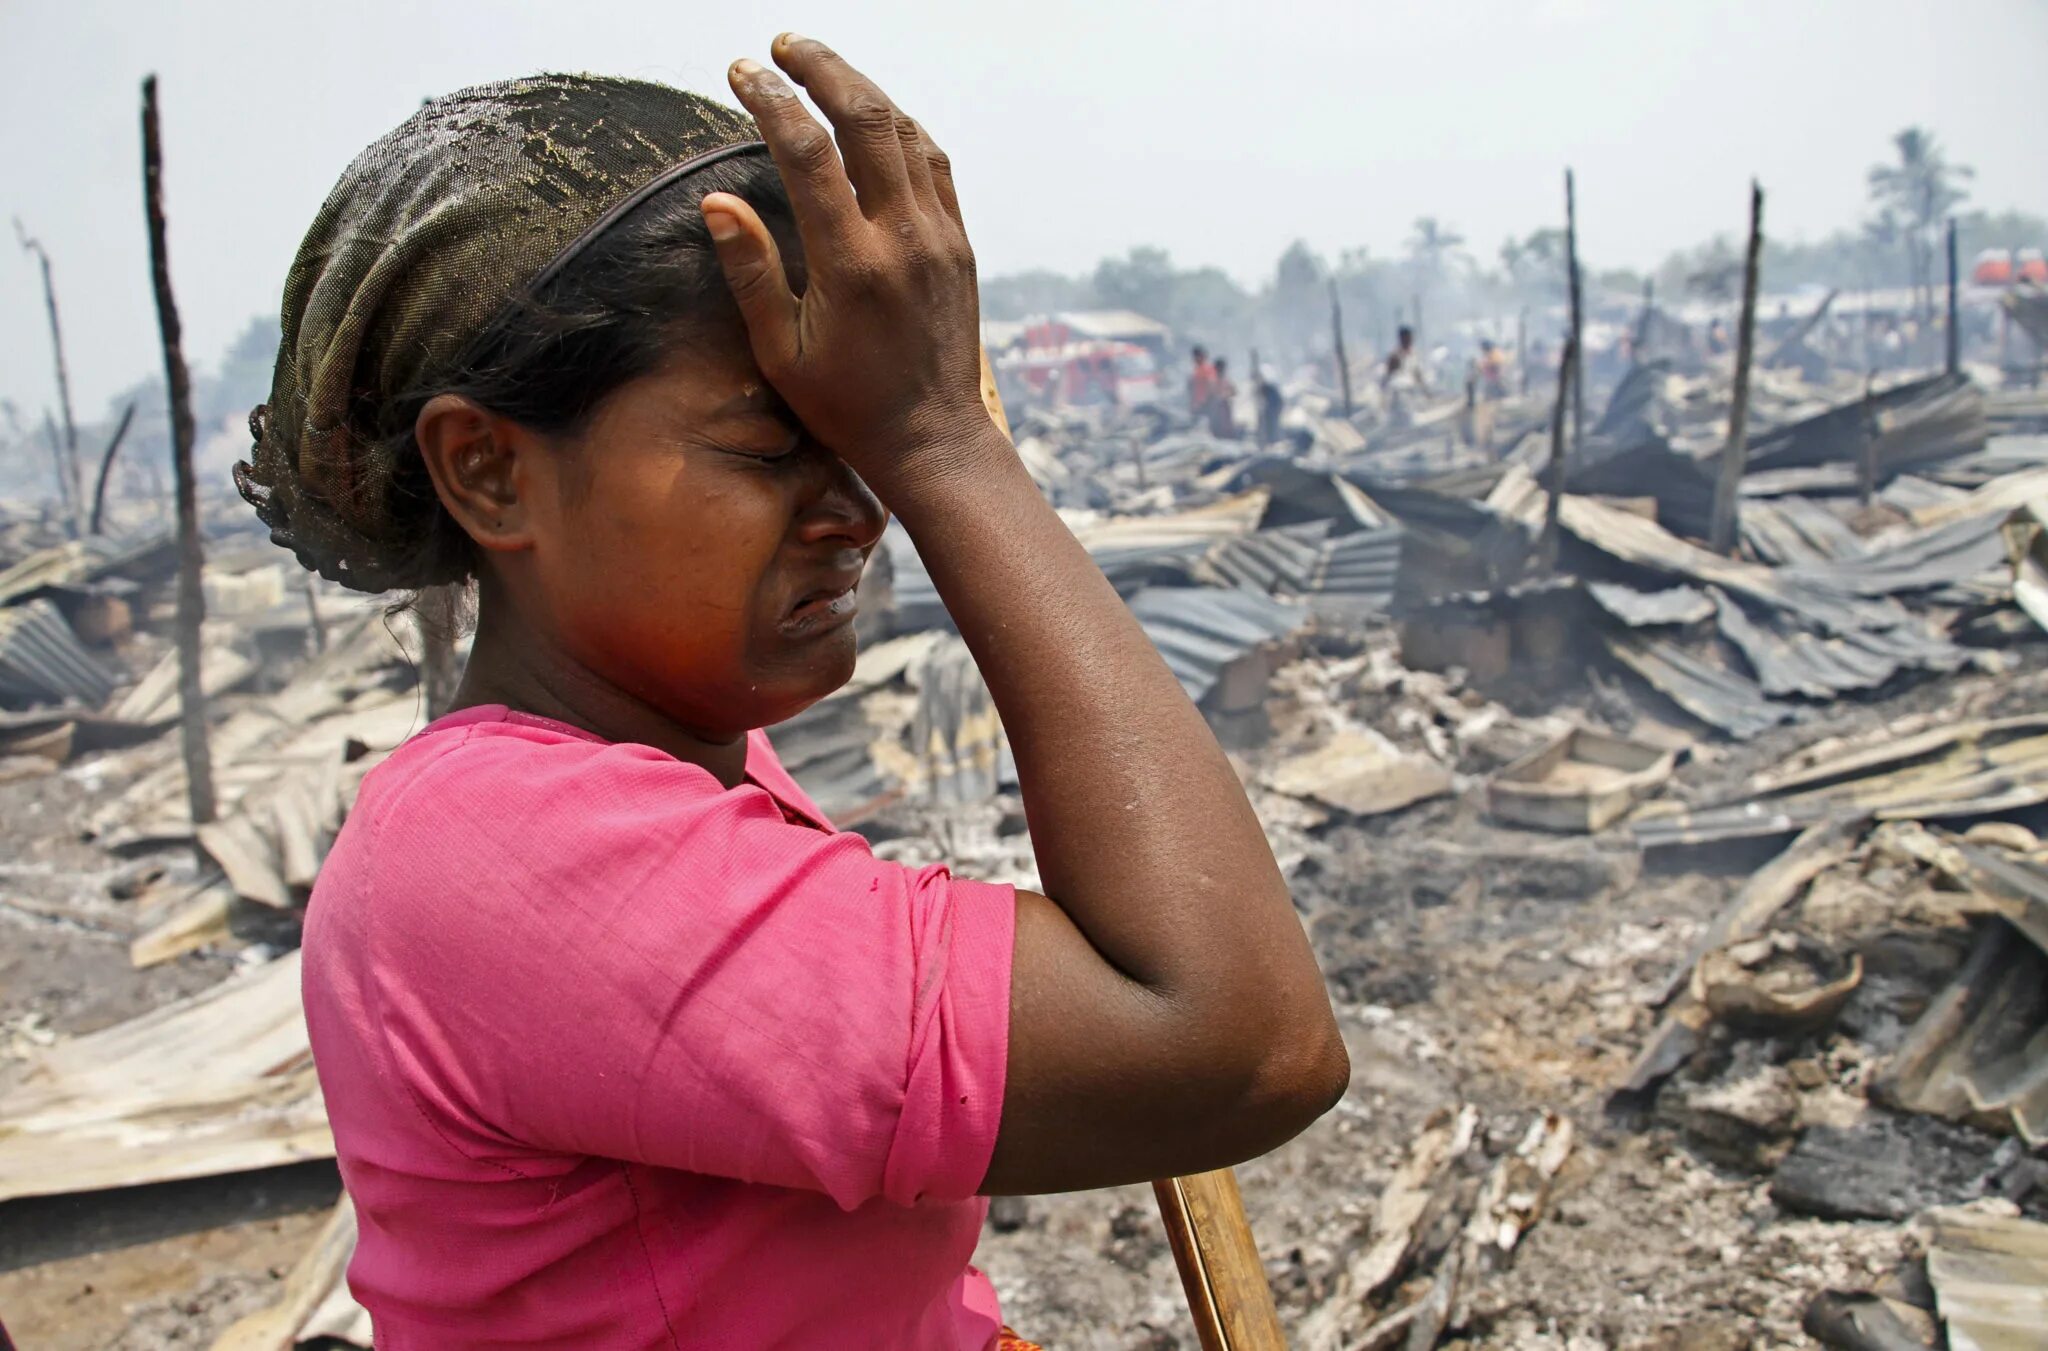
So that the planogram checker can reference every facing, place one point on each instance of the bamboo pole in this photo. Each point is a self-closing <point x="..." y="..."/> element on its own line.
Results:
<point x="1955" y="333"/>
<point x="1228" y="1294"/>
<point x="435" y="610"/>
<point x="1337" y="340"/>
<point x="1554" y="472"/>
<point x="1571" y="256"/>
<point x="1728" y="490"/>
<point x="191" y="559"/>
<point x="67" y="463"/>
<point x="99" y="490"/>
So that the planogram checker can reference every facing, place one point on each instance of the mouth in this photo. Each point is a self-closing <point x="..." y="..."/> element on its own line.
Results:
<point x="822" y="609"/>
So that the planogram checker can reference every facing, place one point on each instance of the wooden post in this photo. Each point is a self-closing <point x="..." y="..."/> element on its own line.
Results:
<point x="99" y="490"/>
<point x="67" y="464"/>
<point x="1955" y="333"/>
<point x="178" y="382"/>
<point x="1728" y="490"/>
<point x="313" y="620"/>
<point x="1554" y="472"/>
<point x="1642" y="333"/>
<point x="1866" y="462"/>
<point x="1571" y="255"/>
<point x="1522" y="349"/>
<point x="1337" y="340"/>
<point x="1219" y="1263"/>
<point x="65" y="502"/>
<point x="435" y="610"/>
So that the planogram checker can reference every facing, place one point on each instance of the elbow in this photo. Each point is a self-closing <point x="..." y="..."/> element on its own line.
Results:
<point x="1297" y="1080"/>
<point x="1315" y="1076"/>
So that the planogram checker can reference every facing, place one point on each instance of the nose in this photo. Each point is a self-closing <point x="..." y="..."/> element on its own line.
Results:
<point x="842" y="507"/>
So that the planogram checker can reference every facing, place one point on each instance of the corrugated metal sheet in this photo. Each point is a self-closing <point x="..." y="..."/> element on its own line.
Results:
<point x="42" y="661"/>
<point x="828" y="750"/>
<point x="1950" y="772"/>
<point x="1716" y="696"/>
<point x="81" y="562"/>
<point x="1201" y="630"/>
<point x="1787" y="530"/>
<point x="1990" y="1279"/>
<point x="1917" y="423"/>
<point x="1648" y="609"/>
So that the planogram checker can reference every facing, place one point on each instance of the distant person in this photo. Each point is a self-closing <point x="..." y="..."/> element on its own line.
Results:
<point x="1201" y="385"/>
<point x="1402" y="378"/>
<point x="1223" y="405"/>
<point x="1493" y="371"/>
<point x="1717" y="338"/>
<point x="1269" y="410"/>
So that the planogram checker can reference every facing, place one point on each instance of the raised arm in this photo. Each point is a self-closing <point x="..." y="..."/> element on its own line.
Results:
<point x="1167" y="1015"/>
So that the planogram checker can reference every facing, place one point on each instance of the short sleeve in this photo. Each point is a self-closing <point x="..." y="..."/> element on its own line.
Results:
<point x="597" y="950"/>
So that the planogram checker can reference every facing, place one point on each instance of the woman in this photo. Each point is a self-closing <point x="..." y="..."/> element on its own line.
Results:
<point x="623" y="1046"/>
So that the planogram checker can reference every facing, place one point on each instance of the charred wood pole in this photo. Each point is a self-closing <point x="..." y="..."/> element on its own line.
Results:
<point x="1546" y="547"/>
<point x="1728" y="490"/>
<point x="1642" y="333"/>
<point x="65" y="502"/>
<point x="178" y="382"/>
<point x="1337" y="341"/>
<point x="314" y="623"/>
<point x="73" y="482"/>
<point x="1522" y="349"/>
<point x="435" y="609"/>
<point x="1955" y="333"/>
<point x="1571" y="262"/>
<point x="99" y="488"/>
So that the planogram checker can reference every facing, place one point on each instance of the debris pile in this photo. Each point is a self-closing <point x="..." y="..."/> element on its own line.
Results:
<point x="1509" y="746"/>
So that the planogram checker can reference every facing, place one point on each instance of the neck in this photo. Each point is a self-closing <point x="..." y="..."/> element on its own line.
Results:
<point x="525" y="669"/>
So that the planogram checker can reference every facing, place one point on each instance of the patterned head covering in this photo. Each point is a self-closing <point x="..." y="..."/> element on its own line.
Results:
<point x="475" y="199"/>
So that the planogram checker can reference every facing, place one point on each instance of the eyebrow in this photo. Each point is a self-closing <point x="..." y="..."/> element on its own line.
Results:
<point x="760" y="398"/>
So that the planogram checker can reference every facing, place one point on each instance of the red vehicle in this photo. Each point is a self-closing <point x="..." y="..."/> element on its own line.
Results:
<point x="2003" y="267"/>
<point x="1054" y="367"/>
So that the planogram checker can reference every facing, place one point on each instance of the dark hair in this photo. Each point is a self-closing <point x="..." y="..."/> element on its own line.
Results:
<point x="613" y="314"/>
<point x="1200" y="351"/>
<point x="1404" y="334"/>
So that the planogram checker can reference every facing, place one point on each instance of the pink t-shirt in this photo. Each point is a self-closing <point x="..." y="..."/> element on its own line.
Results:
<point x="617" y="1057"/>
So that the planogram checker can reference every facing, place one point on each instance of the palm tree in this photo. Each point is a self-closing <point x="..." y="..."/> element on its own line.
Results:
<point x="1430" y="245"/>
<point x="1920" y="189"/>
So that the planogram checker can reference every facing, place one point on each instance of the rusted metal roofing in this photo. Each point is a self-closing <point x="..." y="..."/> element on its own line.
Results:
<point x="42" y="661"/>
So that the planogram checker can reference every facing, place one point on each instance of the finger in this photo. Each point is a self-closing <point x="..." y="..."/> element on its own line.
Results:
<point x="941" y="169"/>
<point x="916" y="166"/>
<point x="820" y="195"/>
<point x="863" y="116"/>
<point x="753" y="270"/>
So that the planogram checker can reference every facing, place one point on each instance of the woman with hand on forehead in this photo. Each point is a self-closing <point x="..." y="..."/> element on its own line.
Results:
<point x="622" y="1043"/>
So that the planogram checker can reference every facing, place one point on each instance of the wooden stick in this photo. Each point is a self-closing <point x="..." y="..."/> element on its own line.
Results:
<point x="1228" y="1295"/>
<point x="1578" y="341"/>
<point x="1554" y="472"/>
<point x="1220" y="1270"/>
<point x="1728" y="490"/>
<point x="1337" y="342"/>
<point x="1955" y="335"/>
<point x="99" y="491"/>
<point x="178" y="382"/>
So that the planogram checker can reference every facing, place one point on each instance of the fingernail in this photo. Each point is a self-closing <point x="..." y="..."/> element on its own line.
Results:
<point x="721" y="226"/>
<point x="747" y="65"/>
<point x="789" y="39"/>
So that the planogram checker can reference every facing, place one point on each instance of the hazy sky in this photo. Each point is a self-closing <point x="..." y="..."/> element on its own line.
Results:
<point x="1219" y="130"/>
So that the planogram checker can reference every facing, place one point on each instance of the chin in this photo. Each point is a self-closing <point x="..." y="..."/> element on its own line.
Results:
<point x="825" y="671"/>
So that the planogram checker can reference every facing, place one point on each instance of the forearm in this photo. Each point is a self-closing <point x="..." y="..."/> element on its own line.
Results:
<point x="1142" y="831"/>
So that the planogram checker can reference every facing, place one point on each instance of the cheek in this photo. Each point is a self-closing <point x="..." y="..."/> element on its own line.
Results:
<point x="667" y="548"/>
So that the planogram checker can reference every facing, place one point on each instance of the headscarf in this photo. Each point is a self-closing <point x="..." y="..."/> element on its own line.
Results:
<point x="474" y="200"/>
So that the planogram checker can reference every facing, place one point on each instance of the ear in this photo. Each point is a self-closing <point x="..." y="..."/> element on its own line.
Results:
<point x="476" y="460"/>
